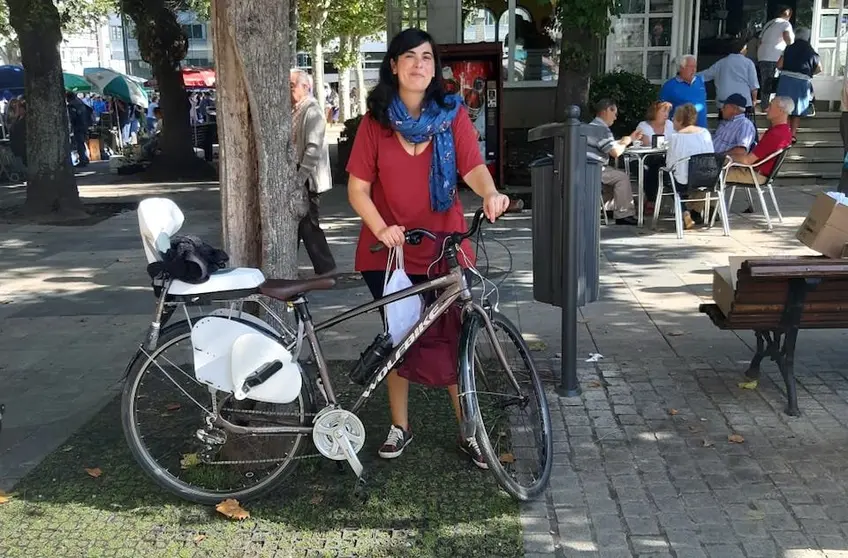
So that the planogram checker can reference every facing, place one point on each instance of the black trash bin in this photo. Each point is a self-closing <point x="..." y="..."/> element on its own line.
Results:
<point x="548" y="231"/>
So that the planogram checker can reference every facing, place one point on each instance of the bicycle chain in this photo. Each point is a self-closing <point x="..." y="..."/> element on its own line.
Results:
<point x="270" y="460"/>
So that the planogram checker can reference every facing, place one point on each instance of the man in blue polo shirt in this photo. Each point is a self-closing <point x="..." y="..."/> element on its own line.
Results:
<point x="687" y="87"/>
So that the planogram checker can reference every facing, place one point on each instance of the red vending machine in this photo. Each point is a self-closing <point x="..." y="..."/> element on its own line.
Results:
<point x="474" y="71"/>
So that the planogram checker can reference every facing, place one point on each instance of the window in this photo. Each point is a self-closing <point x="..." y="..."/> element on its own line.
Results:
<point x="641" y="39"/>
<point x="194" y="31"/>
<point x="115" y="33"/>
<point x="373" y="60"/>
<point x="503" y="21"/>
<point x="480" y="26"/>
<point x="534" y="55"/>
<point x="303" y="60"/>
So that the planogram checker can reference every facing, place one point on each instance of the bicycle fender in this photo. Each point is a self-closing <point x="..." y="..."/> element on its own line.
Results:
<point x="468" y="425"/>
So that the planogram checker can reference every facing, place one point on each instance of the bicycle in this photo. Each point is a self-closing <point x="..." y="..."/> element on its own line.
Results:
<point x="260" y="356"/>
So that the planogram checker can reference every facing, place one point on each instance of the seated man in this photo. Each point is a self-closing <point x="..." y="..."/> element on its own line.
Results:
<point x="601" y="146"/>
<point x="777" y="137"/>
<point x="735" y="133"/>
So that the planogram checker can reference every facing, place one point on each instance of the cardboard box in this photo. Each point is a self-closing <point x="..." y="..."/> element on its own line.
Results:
<point x="723" y="292"/>
<point x="825" y="229"/>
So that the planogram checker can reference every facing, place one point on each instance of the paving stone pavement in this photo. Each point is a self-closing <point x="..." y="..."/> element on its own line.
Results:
<point x="631" y="476"/>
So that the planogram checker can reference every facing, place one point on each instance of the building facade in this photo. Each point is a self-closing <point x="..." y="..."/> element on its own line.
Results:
<point x="124" y="45"/>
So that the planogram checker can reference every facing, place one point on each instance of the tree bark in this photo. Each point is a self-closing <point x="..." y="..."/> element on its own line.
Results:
<point x="361" y="93"/>
<point x="574" y="73"/>
<point x="51" y="185"/>
<point x="262" y="205"/>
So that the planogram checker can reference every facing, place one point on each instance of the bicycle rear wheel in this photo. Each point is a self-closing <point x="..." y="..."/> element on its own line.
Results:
<point x="513" y="421"/>
<point x="163" y="407"/>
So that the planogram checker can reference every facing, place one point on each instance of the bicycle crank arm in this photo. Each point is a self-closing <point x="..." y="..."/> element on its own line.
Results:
<point x="349" y="452"/>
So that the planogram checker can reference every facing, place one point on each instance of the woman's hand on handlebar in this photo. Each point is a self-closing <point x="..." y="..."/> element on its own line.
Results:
<point x="392" y="236"/>
<point x="494" y="205"/>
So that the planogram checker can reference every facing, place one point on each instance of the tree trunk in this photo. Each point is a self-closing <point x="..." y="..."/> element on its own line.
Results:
<point x="574" y="73"/>
<point x="345" y="49"/>
<point x="10" y="51"/>
<point x="344" y="94"/>
<point x="163" y="44"/>
<point x="176" y="137"/>
<point x="293" y="18"/>
<point x="51" y="185"/>
<point x="261" y="203"/>
<point x="361" y="94"/>
<point x="318" y="71"/>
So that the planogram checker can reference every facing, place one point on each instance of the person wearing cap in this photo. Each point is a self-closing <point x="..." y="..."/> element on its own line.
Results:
<point x="776" y="138"/>
<point x="736" y="133"/>
<point x="735" y="73"/>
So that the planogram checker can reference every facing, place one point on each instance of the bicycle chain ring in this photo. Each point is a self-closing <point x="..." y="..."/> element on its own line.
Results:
<point x="339" y="435"/>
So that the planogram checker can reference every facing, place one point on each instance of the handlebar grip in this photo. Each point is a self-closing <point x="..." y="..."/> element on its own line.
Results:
<point x="515" y="206"/>
<point x="377" y="247"/>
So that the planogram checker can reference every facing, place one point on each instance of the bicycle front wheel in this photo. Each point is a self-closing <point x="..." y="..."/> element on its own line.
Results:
<point x="163" y="412"/>
<point x="506" y="398"/>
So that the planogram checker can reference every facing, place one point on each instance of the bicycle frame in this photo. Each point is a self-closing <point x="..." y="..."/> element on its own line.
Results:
<point x="455" y="288"/>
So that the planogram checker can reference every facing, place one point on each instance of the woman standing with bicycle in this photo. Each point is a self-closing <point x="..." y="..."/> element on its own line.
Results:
<point x="403" y="169"/>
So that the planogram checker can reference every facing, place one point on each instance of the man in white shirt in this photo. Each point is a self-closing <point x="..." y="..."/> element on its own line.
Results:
<point x="774" y="38"/>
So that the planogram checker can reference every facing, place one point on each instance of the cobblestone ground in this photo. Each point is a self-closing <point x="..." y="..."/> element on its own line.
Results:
<point x="645" y="466"/>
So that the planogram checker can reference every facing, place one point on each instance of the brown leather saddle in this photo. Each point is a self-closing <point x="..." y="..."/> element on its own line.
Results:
<point x="288" y="289"/>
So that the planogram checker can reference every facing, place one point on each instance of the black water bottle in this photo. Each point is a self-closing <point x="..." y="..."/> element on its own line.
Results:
<point x="375" y="355"/>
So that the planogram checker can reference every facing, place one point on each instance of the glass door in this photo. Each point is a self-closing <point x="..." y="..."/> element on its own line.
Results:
<point x="830" y="39"/>
<point x="641" y="39"/>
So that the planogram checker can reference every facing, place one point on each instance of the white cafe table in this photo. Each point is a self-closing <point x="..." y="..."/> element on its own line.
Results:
<point x="639" y="154"/>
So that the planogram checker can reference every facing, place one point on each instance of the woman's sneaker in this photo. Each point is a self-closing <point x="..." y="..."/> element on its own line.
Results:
<point x="470" y="446"/>
<point x="395" y="443"/>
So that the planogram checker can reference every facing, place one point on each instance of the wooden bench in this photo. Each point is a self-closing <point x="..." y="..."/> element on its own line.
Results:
<point x="775" y="299"/>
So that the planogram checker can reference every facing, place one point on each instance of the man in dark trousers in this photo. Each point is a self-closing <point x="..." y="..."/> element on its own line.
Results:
<point x="313" y="167"/>
<point x="80" y="117"/>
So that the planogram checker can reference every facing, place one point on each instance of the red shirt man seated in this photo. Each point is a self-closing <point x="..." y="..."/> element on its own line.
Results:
<point x="777" y="137"/>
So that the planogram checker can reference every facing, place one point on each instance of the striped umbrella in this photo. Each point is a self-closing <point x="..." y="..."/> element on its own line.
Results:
<point x="75" y="83"/>
<point x="115" y="84"/>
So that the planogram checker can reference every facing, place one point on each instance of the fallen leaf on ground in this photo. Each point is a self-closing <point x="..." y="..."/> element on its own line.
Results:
<point x="707" y="443"/>
<point x="67" y="448"/>
<point x="4" y="497"/>
<point x="507" y="458"/>
<point x="189" y="460"/>
<point x="93" y="472"/>
<point x="317" y="499"/>
<point x="673" y="412"/>
<point x="231" y="508"/>
<point x="173" y="407"/>
<point x="537" y="345"/>
<point x="594" y="384"/>
<point x="199" y="538"/>
<point x="736" y="438"/>
<point x="749" y="385"/>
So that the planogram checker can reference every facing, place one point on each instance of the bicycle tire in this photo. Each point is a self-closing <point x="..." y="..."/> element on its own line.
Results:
<point x="168" y="337"/>
<point x="472" y="328"/>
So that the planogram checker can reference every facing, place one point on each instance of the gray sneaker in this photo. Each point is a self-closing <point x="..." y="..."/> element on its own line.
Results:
<point x="395" y="443"/>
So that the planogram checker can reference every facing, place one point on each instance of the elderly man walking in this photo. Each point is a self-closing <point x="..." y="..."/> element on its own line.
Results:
<point x="687" y="88"/>
<point x="313" y="167"/>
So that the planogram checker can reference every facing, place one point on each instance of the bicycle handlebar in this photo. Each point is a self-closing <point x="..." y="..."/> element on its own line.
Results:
<point x="413" y="236"/>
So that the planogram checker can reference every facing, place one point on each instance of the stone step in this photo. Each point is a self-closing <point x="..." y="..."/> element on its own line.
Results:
<point x="814" y="168"/>
<point x="822" y="120"/>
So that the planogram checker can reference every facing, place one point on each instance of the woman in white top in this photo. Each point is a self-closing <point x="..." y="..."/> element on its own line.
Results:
<point x="656" y="123"/>
<point x="687" y="140"/>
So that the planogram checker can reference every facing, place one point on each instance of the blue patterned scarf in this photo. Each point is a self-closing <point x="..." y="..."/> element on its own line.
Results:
<point x="434" y="123"/>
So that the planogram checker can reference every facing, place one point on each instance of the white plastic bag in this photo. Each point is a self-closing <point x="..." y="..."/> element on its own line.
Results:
<point x="401" y="315"/>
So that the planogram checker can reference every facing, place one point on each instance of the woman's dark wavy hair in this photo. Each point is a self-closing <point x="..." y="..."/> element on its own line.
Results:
<point x="380" y="97"/>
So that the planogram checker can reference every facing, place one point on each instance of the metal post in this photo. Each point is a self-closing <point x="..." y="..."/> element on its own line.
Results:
<point x="125" y="42"/>
<point x="570" y="163"/>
